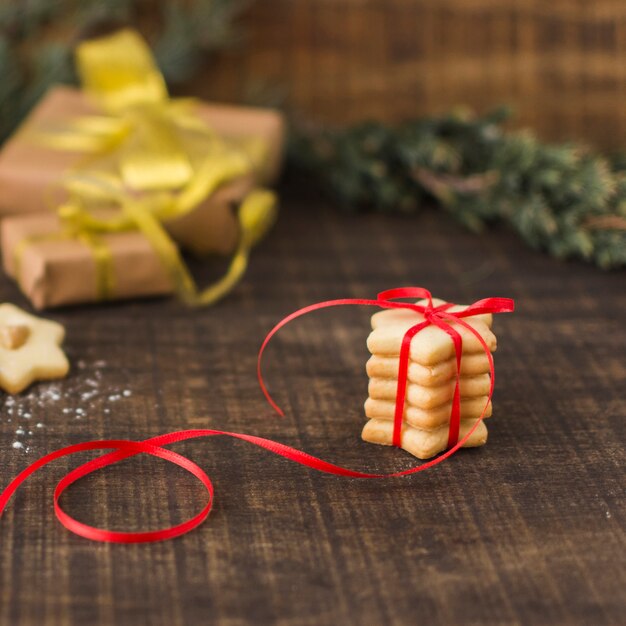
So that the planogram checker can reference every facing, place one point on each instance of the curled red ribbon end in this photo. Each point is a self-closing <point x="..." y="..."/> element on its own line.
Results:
<point x="123" y="449"/>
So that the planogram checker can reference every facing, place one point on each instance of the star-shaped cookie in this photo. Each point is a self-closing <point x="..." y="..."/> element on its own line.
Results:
<point x="29" y="349"/>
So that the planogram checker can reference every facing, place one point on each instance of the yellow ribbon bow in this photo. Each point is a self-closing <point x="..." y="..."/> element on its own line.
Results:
<point x="167" y="161"/>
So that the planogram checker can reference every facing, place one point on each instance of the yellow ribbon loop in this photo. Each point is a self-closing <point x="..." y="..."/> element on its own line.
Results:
<point x="120" y="72"/>
<point x="154" y="158"/>
<point x="166" y="161"/>
<point x="92" y="134"/>
<point x="257" y="213"/>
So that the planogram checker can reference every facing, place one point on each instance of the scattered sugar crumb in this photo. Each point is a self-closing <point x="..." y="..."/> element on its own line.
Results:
<point x="86" y="393"/>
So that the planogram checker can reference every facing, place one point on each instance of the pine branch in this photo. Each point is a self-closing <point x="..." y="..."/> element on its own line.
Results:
<point x="559" y="198"/>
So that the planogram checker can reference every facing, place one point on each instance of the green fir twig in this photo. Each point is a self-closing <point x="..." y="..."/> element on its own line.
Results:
<point x="564" y="199"/>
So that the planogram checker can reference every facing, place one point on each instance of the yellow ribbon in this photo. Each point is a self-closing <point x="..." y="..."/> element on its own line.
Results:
<point x="166" y="161"/>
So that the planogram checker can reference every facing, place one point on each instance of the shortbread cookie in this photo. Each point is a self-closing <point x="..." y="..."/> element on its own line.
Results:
<point x="29" y="349"/>
<point x="427" y="419"/>
<point x="428" y="375"/>
<point x="422" y="443"/>
<point x="408" y="317"/>
<point x="430" y="397"/>
<point x="432" y="344"/>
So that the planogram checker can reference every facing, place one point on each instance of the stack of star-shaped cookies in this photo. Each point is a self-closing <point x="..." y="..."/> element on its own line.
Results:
<point x="431" y="381"/>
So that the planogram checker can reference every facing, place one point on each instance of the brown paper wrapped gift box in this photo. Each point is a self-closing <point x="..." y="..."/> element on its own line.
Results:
<point x="30" y="173"/>
<point x="63" y="271"/>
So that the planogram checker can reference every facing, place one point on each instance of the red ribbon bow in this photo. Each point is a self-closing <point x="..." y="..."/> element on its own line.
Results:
<point x="123" y="449"/>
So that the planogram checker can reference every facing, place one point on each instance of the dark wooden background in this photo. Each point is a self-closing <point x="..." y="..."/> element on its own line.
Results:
<point x="561" y="64"/>
<point x="527" y="530"/>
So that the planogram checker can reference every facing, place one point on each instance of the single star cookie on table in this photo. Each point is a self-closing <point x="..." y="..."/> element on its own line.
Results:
<point x="29" y="349"/>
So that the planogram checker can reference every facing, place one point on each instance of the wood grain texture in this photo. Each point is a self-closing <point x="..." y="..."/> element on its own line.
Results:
<point x="527" y="530"/>
<point x="560" y="64"/>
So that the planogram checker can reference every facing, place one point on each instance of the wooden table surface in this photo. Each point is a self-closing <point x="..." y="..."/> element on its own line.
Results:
<point x="527" y="530"/>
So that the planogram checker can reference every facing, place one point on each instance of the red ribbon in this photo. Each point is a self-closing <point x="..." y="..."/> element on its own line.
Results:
<point x="123" y="449"/>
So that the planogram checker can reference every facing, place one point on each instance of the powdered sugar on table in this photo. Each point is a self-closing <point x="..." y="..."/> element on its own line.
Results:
<point x="83" y="394"/>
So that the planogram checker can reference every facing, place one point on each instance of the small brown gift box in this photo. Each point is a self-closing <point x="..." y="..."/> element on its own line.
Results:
<point x="62" y="270"/>
<point x="30" y="173"/>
